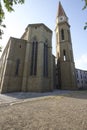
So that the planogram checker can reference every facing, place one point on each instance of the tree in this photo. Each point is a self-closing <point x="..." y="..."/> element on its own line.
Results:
<point x="9" y="7"/>
<point x="85" y="6"/>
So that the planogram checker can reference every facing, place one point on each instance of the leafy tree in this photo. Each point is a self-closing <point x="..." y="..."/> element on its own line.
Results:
<point x="1" y="20"/>
<point x="9" y="7"/>
<point x="85" y="6"/>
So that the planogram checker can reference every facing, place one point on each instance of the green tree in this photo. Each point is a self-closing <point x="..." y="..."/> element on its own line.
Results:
<point x="8" y="4"/>
<point x="85" y="6"/>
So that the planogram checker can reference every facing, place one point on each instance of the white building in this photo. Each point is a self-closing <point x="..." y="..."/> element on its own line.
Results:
<point x="81" y="76"/>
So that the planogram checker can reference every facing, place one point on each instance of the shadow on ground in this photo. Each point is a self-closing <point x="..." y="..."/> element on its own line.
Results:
<point x="80" y="94"/>
<point x="66" y="93"/>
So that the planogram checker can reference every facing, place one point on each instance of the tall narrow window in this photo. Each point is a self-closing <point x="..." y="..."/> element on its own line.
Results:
<point x="34" y="58"/>
<point x="64" y="55"/>
<point x="62" y="34"/>
<point x="17" y="67"/>
<point x="45" y="69"/>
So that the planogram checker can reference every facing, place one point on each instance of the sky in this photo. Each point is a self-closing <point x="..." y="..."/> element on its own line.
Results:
<point x="45" y="11"/>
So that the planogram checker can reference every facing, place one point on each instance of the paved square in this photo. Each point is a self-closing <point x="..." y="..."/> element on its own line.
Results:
<point x="60" y="110"/>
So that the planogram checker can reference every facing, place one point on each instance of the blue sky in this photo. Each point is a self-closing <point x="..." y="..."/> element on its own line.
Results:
<point x="45" y="11"/>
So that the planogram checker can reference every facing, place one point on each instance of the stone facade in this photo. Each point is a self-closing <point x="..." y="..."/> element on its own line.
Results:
<point x="32" y="52"/>
<point x="14" y="51"/>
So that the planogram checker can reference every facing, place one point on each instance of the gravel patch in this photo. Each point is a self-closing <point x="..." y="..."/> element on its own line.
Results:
<point x="66" y="111"/>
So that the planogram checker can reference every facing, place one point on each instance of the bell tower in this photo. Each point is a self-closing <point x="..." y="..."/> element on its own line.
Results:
<point x="64" y="52"/>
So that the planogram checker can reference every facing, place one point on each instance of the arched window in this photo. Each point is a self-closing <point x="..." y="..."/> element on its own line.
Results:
<point x="62" y="34"/>
<point x="64" y="55"/>
<point x="17" y="67"/>
<point x="34" y="58"/>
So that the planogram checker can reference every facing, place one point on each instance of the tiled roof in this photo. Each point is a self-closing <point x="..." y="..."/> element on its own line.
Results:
<point x="61" y="11"/>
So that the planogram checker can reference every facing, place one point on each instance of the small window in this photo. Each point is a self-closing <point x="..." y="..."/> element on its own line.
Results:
<point x="78" y="81"/>
<point x="82" y="82"/>
<point x="64" y="55"/>
<point x="81" y="76"/>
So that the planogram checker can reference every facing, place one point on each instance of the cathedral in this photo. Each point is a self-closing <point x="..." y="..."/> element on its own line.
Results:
<point x="28" y="65"/>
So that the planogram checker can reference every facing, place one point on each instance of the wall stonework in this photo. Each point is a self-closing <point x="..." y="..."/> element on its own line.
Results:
<point x="21" y="50"/>
<point x="15" y="50"/>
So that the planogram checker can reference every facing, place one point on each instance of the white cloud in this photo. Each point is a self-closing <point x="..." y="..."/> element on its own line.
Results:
<point x="81" y="63"/>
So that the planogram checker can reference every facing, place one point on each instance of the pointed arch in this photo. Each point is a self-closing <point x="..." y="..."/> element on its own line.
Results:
<point x="64" y="55"/>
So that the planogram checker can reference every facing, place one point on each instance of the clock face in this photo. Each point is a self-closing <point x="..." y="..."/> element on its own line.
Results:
<point x="61" y="18"/>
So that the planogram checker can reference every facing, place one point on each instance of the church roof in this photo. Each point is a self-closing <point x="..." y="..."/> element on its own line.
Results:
<point x="39" y="24"/>
<point x="36" y="25"/>
<point x="61" y="11"/>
